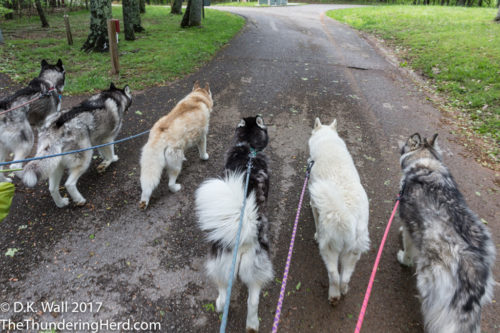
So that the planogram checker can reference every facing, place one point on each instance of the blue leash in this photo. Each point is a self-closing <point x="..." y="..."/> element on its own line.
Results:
<point x="236" y="246"/>
<point x="74" y="151"/>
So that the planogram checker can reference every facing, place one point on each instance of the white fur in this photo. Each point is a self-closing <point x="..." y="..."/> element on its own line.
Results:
<point x="340" y="207"/>
<point x="218" y="205"/>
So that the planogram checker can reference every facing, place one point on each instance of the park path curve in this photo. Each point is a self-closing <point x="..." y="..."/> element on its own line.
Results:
<point x="290" y="64"/>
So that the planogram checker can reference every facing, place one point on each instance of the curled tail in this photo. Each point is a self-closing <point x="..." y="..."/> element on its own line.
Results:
<point x="218" y="205"/>
<point x="40" y="169"/>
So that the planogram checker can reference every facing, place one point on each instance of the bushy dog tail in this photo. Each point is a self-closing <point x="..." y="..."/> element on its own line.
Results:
<point x="40" y="169"/>
<point x="218" y="205"/>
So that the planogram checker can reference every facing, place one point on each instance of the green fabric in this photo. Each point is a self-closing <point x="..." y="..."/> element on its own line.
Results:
<point x="6" y="194"/>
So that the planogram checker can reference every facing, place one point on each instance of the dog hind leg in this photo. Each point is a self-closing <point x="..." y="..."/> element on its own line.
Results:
<point x="54" y="181"/>
<point x="202" y="147"/>
<point x="348" y="262"/>
<point x="331" y="258"/>
<point x="405" y="256"/>
<point x="108" y="154"/>
<point x="3" y="154"/>
<point x="174" y="165"/>
<point x="76" y="170"/>
<point x="316" y="220"/>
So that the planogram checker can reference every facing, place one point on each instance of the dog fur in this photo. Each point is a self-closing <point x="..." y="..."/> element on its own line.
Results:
<point x="16" y="133"/>
<point x="339" y="205"/>
<point x="95" y="121"/>
<point x="185" y="126"/>
<point x="218" y="204"/>
<point x="451" y="248"/>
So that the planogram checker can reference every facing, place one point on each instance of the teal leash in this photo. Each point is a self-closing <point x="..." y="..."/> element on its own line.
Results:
<point x="223" y="324"/>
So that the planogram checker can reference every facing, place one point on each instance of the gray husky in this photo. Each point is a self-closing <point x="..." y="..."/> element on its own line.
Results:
<point x="16" y="134"/>
<point x="451" y="248"/>
<point x="95" y="121"/>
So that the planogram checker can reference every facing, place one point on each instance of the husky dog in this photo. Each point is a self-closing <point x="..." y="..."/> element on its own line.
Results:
<point x="339" y="205"/>
<point x="218" y="205"/>
<point x="451" y="248"/>
<point x="95" y="121"/>
<point x="16" y="134"/>
<point x="185" y="126"/>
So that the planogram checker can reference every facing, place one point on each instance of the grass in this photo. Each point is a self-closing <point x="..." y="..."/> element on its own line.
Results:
<point x="457" y="48"/>
<point x="161" y="54"/>
<point x="247" y="4"/>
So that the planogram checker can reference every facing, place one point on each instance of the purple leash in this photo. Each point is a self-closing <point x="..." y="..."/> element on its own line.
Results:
<point x="290" y="251"/>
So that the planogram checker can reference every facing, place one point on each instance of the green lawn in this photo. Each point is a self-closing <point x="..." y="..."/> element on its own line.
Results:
<point x="161" y="54"/>
<point x="458" y="48"/>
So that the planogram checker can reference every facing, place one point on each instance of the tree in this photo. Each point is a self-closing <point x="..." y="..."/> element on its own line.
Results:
<point x="176" y="7"/>
<point x="100" y="12"/>
<point x="128" y="19"/>
<point x="136" y="16"/>
<point x="142" y="6"/>
<point x="39" y="9"/>
<point x="498" y="15"/>
<point x="192" y="15"/>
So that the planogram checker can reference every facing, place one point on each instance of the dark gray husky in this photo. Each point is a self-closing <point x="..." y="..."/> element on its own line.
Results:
<point x="451" y="248"/>
<point x="95" y="121"/>
<point x="218" y="205"/>
<point x="16" y="134"/>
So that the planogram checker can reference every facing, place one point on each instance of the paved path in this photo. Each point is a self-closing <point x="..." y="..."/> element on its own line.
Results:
<point x="291" y="65"/>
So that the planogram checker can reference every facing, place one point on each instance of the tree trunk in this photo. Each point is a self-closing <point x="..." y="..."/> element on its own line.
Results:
<point x="39" y="9"/>
<point x="100" y="12"/>
<point x="128" y="19"/>
<point x="176" y="7"/>
<point x="192" y="16"/>
<point x="142" y="6"/>
<point x="497" y="19"/>
<point x="136" y="16"/>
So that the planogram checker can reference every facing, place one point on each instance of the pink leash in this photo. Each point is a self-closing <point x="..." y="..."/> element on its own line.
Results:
<point x="290" y="251"/>
<point x="374" y="270"/>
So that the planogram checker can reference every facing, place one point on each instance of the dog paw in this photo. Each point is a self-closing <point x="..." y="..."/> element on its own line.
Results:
<point x="344" y="288"/>
<point x="143" y="205"/>
<point x="204" y="157"/>
<point x="115" y="158"/>
<point x="219" y="304"/>
<point x="175" y="188"/>
<point x="252" y="330"/>
<point x="401" y="229"/>
<point x="403" y="259"/>
<point x="63" y="203"/>
<point x="334" y="300"/>
<point x="6" y="180"/>
<point x="316" y="237"/>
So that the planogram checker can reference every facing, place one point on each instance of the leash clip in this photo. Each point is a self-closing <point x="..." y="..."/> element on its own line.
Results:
<point x="309" y="167"/>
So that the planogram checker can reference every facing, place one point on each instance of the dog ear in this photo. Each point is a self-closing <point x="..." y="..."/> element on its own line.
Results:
<point x="59" y="63"/>
<point x="433" y="141"/>
<point x="112" y="86"/>
<point x="207" y="87"/>
<point x="260" y="122"/>
<point x="414" y="141"/>
<point x="196" y="85"/>
<point x="333" y="125"/>
<point x="126" y="89"/>
<point x="242" y="123"/>
<point x="317" y="123"/>
<point x="44" y="63"/>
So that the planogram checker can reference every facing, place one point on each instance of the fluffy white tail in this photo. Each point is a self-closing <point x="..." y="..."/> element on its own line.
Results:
<point x="218" y="205"/>
<point x="40" y="169"/>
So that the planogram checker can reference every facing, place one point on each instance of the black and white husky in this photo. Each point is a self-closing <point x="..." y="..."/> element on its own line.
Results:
<point x="95" y="121"/>
<point x="451" y="248"/>
<point x="218" y="205"/>
<point x="16" y="133"/>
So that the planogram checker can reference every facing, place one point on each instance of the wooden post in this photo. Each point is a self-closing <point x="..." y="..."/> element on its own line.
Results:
<point x="69" y="36"/>
<point x="113" y="47"/>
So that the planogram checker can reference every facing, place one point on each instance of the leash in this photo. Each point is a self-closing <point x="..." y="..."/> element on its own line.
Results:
<point x="75" y="151"/>
<point x="375" y="266"/>
<point x="290" y="251"/>
<point x="223" y="324"/>
<point x="47" y="93"/>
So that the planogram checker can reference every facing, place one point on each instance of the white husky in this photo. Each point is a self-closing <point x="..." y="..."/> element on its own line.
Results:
<point x="339" y="205"/>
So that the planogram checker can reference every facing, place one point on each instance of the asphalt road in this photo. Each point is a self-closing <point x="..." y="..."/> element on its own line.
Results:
<point x="290" y="65"/>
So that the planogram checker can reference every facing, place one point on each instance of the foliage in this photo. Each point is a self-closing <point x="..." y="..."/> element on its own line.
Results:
<point x="4" y="11"/>
<point x="163" y="53"/>
<point x="458" y="48"/>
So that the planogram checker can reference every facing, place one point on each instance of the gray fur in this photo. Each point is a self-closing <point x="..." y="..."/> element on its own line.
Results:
<point x="16" y="133"/>
<point x="451" y="248"/>
<point x="83" y="129"/>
